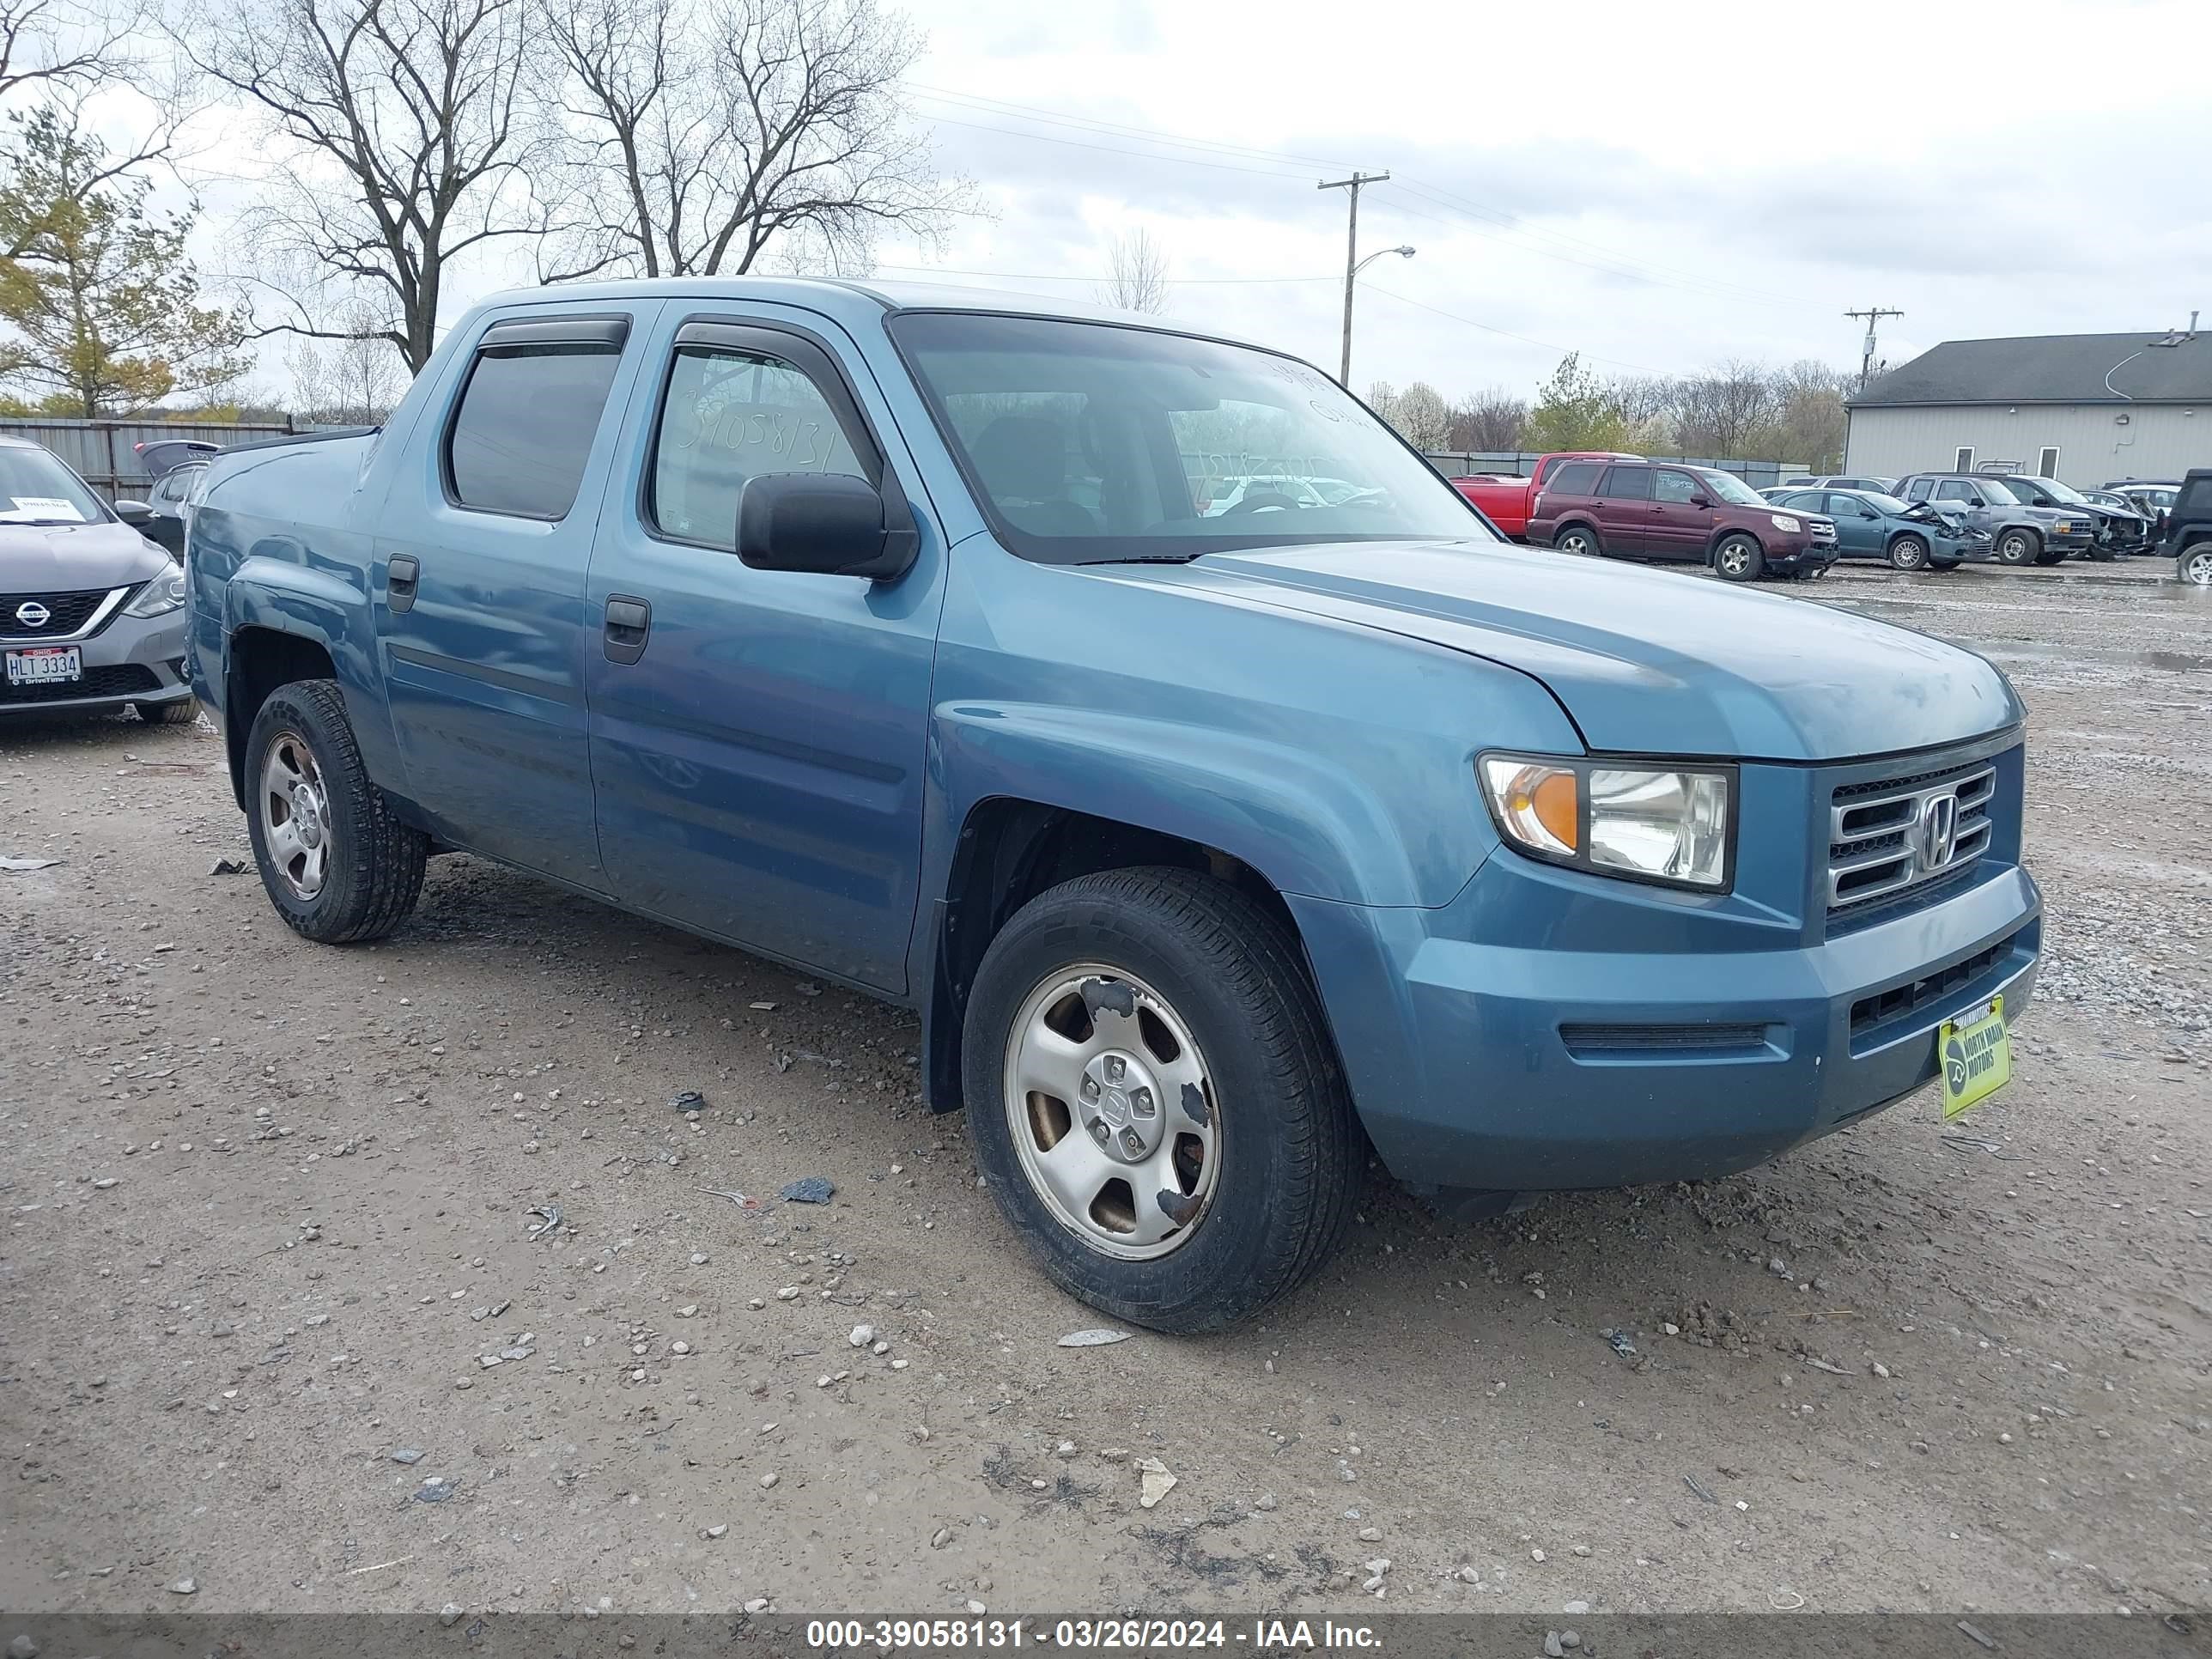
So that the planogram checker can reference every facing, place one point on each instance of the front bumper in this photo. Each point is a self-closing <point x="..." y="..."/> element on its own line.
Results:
<point x="125" y="661"/>
<point x="1791" y="554"/>
<point x="1486" y="1051"/>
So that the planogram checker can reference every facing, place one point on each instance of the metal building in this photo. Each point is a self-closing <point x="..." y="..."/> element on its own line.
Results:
<point x="2080" y="408"/>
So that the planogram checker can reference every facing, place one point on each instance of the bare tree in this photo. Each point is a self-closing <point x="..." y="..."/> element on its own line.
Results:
<point x="701" y="133"/>
<point x="349" y="382"/>
<point x="49" y="46"/>
<point x="1418" y="412"/>
<point x="1724" y="406"/>
<point x="1139" y="278"/>
<point x="1492" y="419"/>
<point x="408" y="130"/>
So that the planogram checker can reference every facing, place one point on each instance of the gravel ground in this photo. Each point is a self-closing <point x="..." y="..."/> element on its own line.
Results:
<point x="276" y="1324"/>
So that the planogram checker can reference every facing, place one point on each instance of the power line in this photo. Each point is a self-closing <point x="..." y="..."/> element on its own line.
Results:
<point x="1526" y="339"/>
<point x="1061" y="277"/>
<point x="1614" y="264"/>
<point x="1874" y="314"/>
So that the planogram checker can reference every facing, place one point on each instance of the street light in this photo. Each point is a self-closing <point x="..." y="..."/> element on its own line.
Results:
<point x="1351" y="275"/>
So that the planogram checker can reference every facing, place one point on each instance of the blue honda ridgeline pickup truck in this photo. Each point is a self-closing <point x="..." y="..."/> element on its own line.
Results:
<point x="900" y="634"/>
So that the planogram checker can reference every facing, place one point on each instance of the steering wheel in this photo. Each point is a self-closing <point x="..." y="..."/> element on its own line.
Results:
<point x="1262" y="501"/>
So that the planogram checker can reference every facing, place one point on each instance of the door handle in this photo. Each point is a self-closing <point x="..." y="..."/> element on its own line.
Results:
<point x="629" y="621"/>
<point x="399" y="579"/>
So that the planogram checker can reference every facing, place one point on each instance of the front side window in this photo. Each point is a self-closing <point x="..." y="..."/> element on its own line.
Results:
<point x="1092" y="443"/>
<point x="1679" y="488"/>
<point x="1957" y="490"/>
<point x="35" y="488"/>
<point x="731" y="414"/>
<point x="524" y="428"/>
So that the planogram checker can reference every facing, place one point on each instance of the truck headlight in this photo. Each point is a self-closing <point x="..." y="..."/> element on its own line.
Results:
<point x="1667" y="823"/>
<point x="1782" y="521"/>
<point x="165" y="594"/>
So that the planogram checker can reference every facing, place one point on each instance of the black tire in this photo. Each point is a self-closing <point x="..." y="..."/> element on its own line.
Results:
<point x="2018" y="547"/>
<point x="2193" y="564"/>
<point x="183" y="712"/>
<point x="1579" y="540"/>
<point x="1909" y="552"/>
<point x="373" y="872"/>
<point x="2052" y="556"/>
<point x="1289" y="1149"/>
<point x="1945" y="564"/>
<point x="1739" y="557"/>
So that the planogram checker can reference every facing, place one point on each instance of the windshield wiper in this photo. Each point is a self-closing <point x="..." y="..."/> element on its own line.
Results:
<point x="1145" y="558"/>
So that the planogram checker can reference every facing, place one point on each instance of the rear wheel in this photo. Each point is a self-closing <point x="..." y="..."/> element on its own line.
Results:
<point x="1153" y="1101"/>
<point x="337" y="865"/>
<point x="1578" y="539"/>
<point x="1739" y="557"/>
<point x="2019" y="547"/>
<point x="2194" y="565"/>
<point x="1909" y="553"/>
<point x="183" y="712"/>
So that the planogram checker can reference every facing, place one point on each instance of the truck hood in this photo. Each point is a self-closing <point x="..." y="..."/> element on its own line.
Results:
<point x="66" y="558"/>
<point x="1643" y="661"/>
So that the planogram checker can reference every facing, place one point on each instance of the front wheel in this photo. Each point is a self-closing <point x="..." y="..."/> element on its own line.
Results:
<point x="2194" y="565"/>
<point x="2019" y="547"/>
<point x="183" y="712"/>
<point x="1909" y="553"/>
<point x="1153" y="1101"/>
<point x="337" y="865"/>
<point x="1738" y="558"/>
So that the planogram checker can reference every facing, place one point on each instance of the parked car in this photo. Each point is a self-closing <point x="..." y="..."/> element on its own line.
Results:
<point x="2189" y="528"/>
<point x="2119" y="530"/>
<point x="1213" y="854"/>
<point x="1871" y="524"/>
<point x="1509" y="502"/>
<point x="169" y="506"/>
<point x="1652" y="510"/>
<point x="2153" y="497"/>
<point x="1884" y="486"/>
<point x="92" y="614"/>
<point x="2023" y="534"/>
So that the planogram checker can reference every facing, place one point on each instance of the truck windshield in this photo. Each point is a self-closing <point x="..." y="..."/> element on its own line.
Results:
<point x="1092" y="443"/>
<point x="36" y="488"/>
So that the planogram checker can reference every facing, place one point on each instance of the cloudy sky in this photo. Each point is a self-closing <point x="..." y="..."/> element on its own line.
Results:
<point x="1658" y="187"/>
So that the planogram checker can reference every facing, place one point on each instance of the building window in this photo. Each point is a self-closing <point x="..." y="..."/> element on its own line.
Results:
<point x="2046" y="463"/>
<point x="1965" y="460"/>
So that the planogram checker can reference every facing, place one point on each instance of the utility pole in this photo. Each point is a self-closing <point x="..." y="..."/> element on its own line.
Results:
<point x="1351" y="255"/>
<point x="1872" y="314"/>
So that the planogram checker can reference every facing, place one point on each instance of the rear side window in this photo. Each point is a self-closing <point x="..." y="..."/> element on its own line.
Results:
<point x="732" y="414"/>
<point x="1628" y="484"/>
<point x="1573" y="478"/>
<point x="1916" y="490"/>
<point x="524" y="427"/>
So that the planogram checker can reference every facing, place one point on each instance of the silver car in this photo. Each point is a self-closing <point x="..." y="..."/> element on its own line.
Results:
<point x="92" y="614"/>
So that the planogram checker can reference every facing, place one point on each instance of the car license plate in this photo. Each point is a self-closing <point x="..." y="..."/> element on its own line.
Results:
<point x="1974" y="1054"/>
<point x="51" y="665"/>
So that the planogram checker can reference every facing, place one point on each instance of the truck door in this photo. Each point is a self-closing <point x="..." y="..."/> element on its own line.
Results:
<point x="759" y="737"/>
<point x="1624" y="511"/>
<point x="479" y="578"/>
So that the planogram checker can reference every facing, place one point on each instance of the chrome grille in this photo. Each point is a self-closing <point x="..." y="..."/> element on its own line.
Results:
<point x="1888" y="836"/>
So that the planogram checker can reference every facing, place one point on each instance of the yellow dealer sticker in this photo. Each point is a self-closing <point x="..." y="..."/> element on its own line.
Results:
<point x="1974" y="1055"/>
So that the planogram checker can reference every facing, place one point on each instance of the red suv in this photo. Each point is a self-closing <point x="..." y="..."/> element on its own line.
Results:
<point x="1689" y="514"/>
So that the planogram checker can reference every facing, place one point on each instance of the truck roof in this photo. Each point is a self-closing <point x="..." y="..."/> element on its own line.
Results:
<point x="839" y="295"/>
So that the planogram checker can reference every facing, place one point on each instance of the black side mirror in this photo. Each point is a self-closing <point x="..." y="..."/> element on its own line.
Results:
<point x="826" y="523"/>
<point x="1699" y="501"/>
<point x="134" y="514"/>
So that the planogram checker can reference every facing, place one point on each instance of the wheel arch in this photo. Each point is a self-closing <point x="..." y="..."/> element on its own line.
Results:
<point x="260" y="658"/>
<point x="1009" y="849"/>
